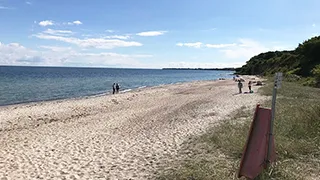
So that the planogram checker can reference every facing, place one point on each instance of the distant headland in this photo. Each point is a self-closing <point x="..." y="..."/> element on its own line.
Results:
<point x="215" y="69"/>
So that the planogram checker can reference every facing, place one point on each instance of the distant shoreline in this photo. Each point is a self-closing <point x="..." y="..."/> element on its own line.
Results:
<point x="211" y="69"/>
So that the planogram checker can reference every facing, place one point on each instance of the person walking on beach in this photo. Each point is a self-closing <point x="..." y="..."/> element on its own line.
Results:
<point x="117" y="88"/>
<point x="249" y="86"/>
<point x="240" y="85"/>
<point x="114" y="88"/>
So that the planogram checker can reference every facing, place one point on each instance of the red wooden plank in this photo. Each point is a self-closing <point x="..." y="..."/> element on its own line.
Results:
<point x="254" y="156"/>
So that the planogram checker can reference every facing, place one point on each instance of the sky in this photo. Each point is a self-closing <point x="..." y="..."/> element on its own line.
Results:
<point x="149" y="33"/>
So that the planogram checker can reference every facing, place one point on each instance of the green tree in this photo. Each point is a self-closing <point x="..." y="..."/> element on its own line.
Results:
<point x="316" y="73"/>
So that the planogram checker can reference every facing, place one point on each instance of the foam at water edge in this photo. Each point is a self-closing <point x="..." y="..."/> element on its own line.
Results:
<point x="126" y="90"/>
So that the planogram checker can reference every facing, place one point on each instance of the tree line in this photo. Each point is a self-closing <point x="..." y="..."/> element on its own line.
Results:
<point x="303" y="63"/>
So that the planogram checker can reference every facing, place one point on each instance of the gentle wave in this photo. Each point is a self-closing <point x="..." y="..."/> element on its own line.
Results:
<point x="126" y="90"/>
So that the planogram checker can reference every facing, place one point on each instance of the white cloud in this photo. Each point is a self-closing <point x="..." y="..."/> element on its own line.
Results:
<point x="108" y="59"/>
<point x="313" y="25"/>
<point x="51" y="23"/>
<point x="46" y="23"/>
<point x="194" y="45"/>
<point x="29" y="3"/>
<point x="110" y="31"/>
<point x="200" y="44"/>
<point x="243" y="49"/>
<point x="58" y="32"/>
<point x="6" y="8"/>
<point x="77" y="22"/>
<point x="16" y="54"/>
<point x="182" y="64"/>
<point x="56" y="48"/>
<point x="151" y="33"/>
<point x="99" y="43"/>
<point x="220" y="45"/>
<point x="105" y="36"/>
<point x="118" y="37"/>
<point x="73" y="23"/>
<point x="247" y="48"/>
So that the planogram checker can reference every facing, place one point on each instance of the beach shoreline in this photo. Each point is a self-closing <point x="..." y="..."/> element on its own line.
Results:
<point x="107" y="93"/>
<point x="121" y="136"/>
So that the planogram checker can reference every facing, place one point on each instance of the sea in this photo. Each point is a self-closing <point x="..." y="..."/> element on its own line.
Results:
<point x="21" y="84"/>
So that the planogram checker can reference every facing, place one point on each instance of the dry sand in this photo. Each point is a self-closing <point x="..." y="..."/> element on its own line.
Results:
<point x="124" y="136"/>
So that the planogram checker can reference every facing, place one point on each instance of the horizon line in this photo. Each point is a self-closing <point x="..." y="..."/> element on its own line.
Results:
<point x="101" y="67"/>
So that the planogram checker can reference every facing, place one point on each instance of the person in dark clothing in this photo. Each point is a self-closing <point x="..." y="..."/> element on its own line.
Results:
<point x="114" y="88"/>
<point x="249" y="85"/>
<point x="240" y="85"/>
<point x="117" y="88"/>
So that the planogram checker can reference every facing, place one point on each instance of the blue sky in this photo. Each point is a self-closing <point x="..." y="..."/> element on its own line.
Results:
<point x="151" y="34"/>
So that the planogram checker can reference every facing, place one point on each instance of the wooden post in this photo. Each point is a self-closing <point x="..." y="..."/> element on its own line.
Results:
<point x="277" y="85"/>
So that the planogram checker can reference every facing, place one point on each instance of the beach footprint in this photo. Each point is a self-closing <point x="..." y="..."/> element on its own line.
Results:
<point x="115" y="101"/>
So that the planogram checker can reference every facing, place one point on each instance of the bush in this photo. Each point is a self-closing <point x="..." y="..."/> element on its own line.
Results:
<point x="316" y="72"/>
<point x="310" y="81"/>
<point x="292" y="77"/>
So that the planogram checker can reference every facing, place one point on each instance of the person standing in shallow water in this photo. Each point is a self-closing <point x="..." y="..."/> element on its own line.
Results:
<point x="240" y="85"/>
<point x="117" y="88"/>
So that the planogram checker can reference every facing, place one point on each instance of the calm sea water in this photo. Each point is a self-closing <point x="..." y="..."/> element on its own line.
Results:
<point x="30" y="84"/>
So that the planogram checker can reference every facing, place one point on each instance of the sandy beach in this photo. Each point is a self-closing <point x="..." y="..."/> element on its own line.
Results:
<point x="124" y="136"/>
